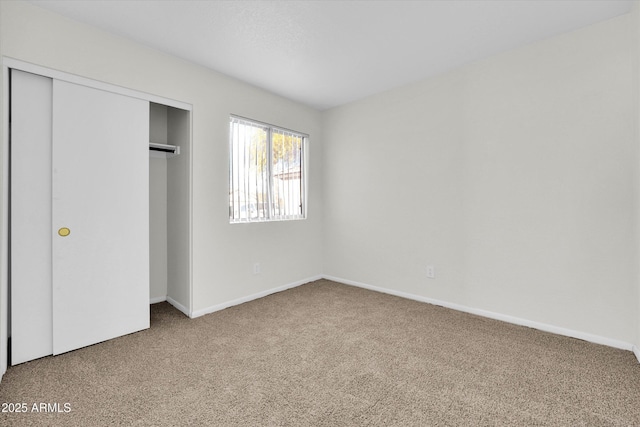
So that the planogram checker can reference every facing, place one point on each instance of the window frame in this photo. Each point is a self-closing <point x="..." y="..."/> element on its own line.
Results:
<point x="269" y="216"/>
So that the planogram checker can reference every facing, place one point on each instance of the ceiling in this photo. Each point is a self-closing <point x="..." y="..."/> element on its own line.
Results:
<point x="328" y="53"/>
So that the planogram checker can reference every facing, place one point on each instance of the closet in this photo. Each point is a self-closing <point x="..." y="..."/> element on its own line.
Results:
<point x="80" y="217"/>
<point x="169" y="136"/>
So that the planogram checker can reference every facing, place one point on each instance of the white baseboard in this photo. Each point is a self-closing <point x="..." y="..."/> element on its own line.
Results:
<point x="497" y="316"/>
<point x="179" y="306"/>
<point x="248" y="298"/>
<point x="156" y="300"/>
<point x="636" y="351"/>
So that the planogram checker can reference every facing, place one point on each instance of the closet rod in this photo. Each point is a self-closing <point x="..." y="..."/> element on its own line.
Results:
<point x="164" y="148"/>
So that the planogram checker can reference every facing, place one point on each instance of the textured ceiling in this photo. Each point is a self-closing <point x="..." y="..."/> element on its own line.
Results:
<point x="328" y="53"/>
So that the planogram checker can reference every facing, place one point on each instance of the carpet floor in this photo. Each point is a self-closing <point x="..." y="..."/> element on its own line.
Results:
<point x="326" y="354"/>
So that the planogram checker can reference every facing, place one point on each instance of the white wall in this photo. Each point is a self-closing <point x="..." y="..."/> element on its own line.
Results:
<point x="514" y="176"/>
<point x="635" y="17"/>
<point x="157" y="228"/>
<point x="157" y="206"/>
<point x="289" y="251"/>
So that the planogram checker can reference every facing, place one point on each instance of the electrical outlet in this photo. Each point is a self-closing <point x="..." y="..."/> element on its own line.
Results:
<point x="431" y="272"/>
<point x="256" y="268"/>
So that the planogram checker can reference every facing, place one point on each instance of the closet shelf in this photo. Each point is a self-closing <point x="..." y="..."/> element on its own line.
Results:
<point x="163" y="150"/>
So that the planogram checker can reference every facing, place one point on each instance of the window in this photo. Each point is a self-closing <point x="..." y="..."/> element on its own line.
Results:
<point x="266" y="172"/>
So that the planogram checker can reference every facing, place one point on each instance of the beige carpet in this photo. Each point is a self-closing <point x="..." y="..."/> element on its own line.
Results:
<point x="326" y="354"/>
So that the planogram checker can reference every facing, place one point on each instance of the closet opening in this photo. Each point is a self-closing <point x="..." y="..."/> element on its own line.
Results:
<point x="169" y="220"/>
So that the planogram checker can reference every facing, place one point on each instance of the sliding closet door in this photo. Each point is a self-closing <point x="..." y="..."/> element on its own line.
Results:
<point x="100" y="215"/>
<point x="31" y="331"/>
